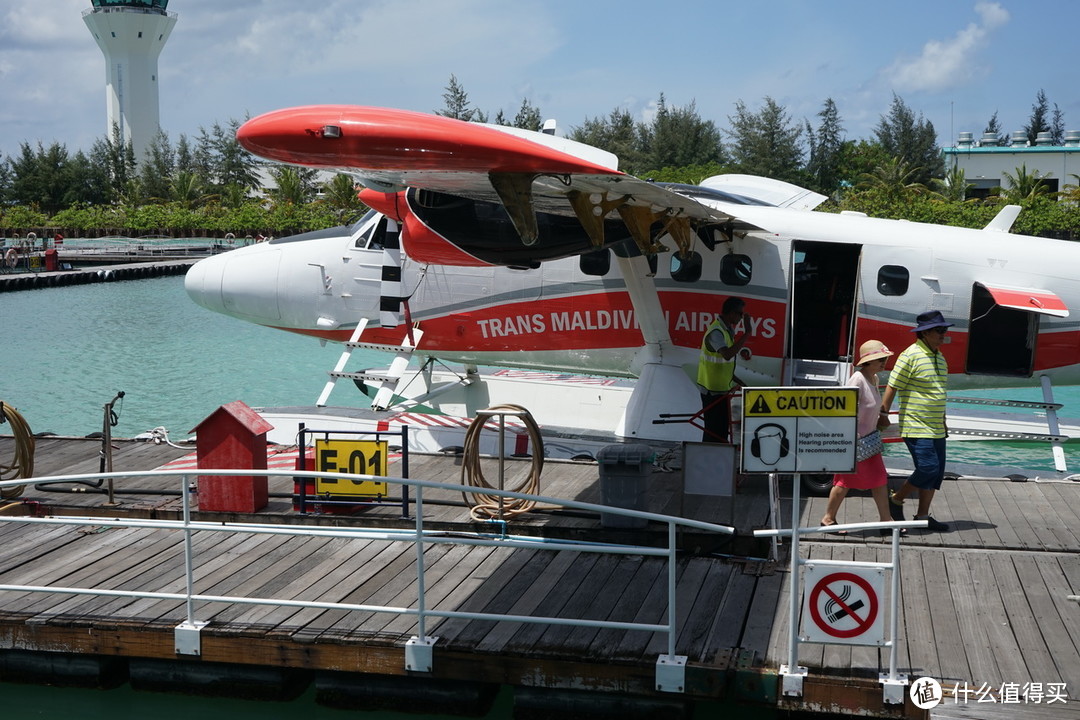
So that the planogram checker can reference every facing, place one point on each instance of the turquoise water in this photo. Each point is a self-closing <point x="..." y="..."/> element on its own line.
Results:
<point x="66" y="351"/>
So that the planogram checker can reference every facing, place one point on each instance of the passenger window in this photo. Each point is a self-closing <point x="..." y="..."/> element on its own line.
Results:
<point x="685" y="269"/>
<point x="892" y="280"/>
<point x="736" y="269"/>
<point x="596" y="263"/>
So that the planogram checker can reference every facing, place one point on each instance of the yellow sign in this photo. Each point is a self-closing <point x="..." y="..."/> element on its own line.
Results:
<point x="801" y="402"/>
<point x="352" y="457"/>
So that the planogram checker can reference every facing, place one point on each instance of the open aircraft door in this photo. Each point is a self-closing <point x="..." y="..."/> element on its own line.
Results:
<point x="1004" y="328"/>
<point x="822" y="310"/>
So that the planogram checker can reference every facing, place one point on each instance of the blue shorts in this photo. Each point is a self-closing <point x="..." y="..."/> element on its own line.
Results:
<point x="929" y="457"/>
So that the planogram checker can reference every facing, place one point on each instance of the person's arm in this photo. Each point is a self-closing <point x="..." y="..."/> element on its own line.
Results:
<point x="887" y="398"/>
<point x="729" y="351"/>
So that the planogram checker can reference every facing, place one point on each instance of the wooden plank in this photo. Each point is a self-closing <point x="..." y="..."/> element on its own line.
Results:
<point x="651" y="610"/>
<point x="1000" y="515"/>
<point x="731" y="615"/>
<point x="1032" y="646"/>
<point x="607" y="605"/>
<point x="380" y="589"/>
<point x="1049" y="610"/>
<point x="967" y="600"/>
<point x="977" y="518"/>
<point x="993" y="598"/>
<point x="590" y="600"/>
<point x="439" y="593"/>
<point x="501" y="585"/>
<point x="555" y="598"/>
<point x="328" y="581"/>
<point x="649" y="573"/>
<point x="917" y="652"/>
<point x="708" y="609"/>
<point x="949" y="618"/>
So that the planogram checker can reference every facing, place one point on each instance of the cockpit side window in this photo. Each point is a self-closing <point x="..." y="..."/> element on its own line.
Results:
<point x="373" y="237"/>
<point x="892" y="280"/>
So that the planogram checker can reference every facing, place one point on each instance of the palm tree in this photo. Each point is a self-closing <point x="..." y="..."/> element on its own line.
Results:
<point x="1025" y="186"/>
<point x="293" y="185"/>
<point x="892" y="178"/>
<point x="187" y="190"/>
<point x="954" y="186"/>
<point x="340" y="194"/>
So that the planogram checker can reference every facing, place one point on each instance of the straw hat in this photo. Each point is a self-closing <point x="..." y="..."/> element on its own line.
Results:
<point x="872" y="350"/>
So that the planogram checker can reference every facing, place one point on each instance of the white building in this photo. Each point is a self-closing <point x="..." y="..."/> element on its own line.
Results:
<point x="985" y="162"/>
<point x="131" y="35"/>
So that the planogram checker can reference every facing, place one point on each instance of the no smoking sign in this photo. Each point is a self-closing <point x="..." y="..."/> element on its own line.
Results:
<point x="843" y="605"/>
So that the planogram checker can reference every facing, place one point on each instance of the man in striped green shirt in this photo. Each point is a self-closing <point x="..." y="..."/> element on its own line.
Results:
<point x="919" y="377"/>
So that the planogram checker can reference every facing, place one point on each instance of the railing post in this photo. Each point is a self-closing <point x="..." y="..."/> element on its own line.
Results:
<point x="671" y="668"/>
<point x="419" y="648"/>
<point x="186" y="635"/>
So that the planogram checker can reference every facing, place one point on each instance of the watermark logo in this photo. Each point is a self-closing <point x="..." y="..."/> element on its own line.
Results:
<point x="925" y="693"/>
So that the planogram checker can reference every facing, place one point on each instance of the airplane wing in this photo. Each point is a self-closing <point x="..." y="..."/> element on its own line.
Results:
<point x="526" y="172"/>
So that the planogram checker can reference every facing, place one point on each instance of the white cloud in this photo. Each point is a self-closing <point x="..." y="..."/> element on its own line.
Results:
<point x="949" y="63"/>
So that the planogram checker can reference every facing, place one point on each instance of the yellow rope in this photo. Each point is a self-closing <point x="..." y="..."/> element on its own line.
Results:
<point x="22" y="465"/>
<point x="484" y="505"/>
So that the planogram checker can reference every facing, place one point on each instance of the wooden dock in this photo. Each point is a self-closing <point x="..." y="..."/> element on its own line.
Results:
<point x="982" y="607"/>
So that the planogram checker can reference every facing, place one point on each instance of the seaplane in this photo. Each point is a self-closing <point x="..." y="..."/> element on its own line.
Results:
<point x="590" y="289"/>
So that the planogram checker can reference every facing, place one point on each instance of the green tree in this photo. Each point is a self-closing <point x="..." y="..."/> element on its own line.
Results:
<point x="678" y="136"/>
<point x="618" y="134"/>
<point x="893" y="180"/>
<point x="157" y="168"/>
<point x="528" y="117"/>
<point x="766" y="143"/>
<point x="456" y="102"/>
<point x="292" y="185"/>
<point x="993" y="126"/>
<point x="1024" y="186"/>
<point x="340" y="195"/>
<point x="911" y="139"/>
<point x="826" y="145"/>
<point x="187" y="190"/>
<point x="1039" y="121"/>
<point x="42" y="177"/>
<point x="953" y="186"/>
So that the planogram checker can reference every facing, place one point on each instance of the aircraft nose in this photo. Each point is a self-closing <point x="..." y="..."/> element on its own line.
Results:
<point x="203" y="283"/>
<point x="242" y="283"/>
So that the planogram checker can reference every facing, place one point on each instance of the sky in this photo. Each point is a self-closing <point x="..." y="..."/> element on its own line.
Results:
<point x="955" y="62"/>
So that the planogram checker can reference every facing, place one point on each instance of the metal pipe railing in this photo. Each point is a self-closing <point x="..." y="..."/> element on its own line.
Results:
<point x="418" y="535"/>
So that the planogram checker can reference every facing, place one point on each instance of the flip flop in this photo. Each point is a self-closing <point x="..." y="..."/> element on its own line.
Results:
<point x="834" y="532"/>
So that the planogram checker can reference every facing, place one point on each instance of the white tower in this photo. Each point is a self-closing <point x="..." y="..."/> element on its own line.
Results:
<point x="131" y="34"/>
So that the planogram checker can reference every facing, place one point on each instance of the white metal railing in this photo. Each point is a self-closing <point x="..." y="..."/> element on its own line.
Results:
<point x="792" y="673"/>
<point x="670" y="668"/>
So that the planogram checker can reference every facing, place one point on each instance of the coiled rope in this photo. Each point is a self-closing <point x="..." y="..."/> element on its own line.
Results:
<point x="484" y="505"/>
<point x="22" y="465"/>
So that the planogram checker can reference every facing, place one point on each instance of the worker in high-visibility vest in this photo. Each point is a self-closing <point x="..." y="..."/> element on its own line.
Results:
<point x="716" y="369"/>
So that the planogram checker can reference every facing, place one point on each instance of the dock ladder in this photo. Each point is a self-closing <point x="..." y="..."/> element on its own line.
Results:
<point x="386" y="381"/>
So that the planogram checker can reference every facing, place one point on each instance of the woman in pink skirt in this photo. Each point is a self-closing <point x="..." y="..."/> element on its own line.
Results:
<point x="870" y="474"/>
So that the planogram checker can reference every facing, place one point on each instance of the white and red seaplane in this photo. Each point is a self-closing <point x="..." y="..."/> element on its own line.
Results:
<point x="493" y="246"/>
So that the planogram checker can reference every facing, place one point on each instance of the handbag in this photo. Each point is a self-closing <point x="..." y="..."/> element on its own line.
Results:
<point x="868" y="446"/>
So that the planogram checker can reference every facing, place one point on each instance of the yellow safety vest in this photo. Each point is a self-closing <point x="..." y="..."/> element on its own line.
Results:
<point x="716" y="373"/>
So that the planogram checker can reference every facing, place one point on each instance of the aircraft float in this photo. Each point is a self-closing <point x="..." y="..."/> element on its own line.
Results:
<point x="494" y="246"/>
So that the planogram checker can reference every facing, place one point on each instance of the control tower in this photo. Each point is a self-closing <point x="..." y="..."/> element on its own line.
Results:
<point x="131" y="34"/>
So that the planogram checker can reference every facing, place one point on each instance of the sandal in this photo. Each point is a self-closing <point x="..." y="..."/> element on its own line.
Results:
<point x="834" y="532"/>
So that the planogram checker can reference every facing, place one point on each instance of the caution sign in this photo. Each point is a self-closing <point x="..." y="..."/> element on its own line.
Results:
<point x="843" y="605"/>
<point x="353" y="457"/>
<point x="799" y="429"/>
